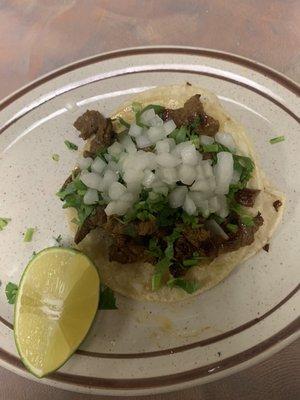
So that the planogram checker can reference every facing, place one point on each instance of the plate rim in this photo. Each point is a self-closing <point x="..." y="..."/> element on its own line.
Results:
<point x="268" y="72"/>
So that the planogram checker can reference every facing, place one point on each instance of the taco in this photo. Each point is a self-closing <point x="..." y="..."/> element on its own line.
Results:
<point x="168" y="197"/>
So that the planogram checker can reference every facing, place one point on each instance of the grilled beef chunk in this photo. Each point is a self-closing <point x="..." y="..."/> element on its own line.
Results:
<point x="177" y="270"/>
<point x="196" y="236"/>
<point x="246" y="197"/>
<point x="183" y="249"/>
<point x="97" y="218"/>
<point x="187" y="114"/>
<point x="267" y="247"/>
<point x="92" y="123"/>
<point x="145" y="228"/>
<point x="277" y="204"/>
<point x="125" y="250"/>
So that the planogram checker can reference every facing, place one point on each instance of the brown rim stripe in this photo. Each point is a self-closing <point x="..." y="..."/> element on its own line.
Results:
<point x="169" y="380"/>
<point x="262" y="69"/>
<point x="186" y="71"/>
<point x="201" y="343"/>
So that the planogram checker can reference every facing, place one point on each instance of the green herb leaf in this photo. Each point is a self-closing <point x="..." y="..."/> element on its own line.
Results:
<point x="28" y="235"/>
<point x="157" y="109"/>
<point x="154" y="248"/>
<point x="55" y="157"/>
<point x="124" y="123"/>
<point x="58" y="239"/>
<point x="190" y="220"/>
<point x="187" y="286"/>
<point x="277" y="139"/>
<point x="211" y="148"/>
<point x="160" y="269"/>
<point x="70" y="145"/>
<point x="4" y="222"/>
<point x="11" y="292"/>
<point x="130" y="230"/>
<point x="107" y="299"/>
<point x="247" y="220"/>
<point x="136" y="107"/>
<point x="180" y="135"/>
<point x="232" y="228"/>
<point x="245" y="166"/>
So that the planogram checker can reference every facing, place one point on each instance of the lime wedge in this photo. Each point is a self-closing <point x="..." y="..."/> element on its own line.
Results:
<point x="56" y="303"/>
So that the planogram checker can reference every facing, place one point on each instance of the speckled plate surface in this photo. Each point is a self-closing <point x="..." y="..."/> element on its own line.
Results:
<point x="144" y="347"/>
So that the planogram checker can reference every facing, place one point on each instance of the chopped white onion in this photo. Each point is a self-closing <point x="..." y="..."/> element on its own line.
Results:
<point x="223" y="172"/>
<point x="235" y="176"/>
<point x="206" y="139"/>
<point x="224" y="211"/>
<point x="133" y="176"/>
<point x="116" y="190"/>
<point x="162" y="146"/>
<point x="226" y="140"/>
<point x="207" y="168"/>
<point x="215" y="228"/>
<point x="108" y="178"/>
<point x="85" y="162"/>
<point x="189" y="206"/>
<point x="200" y="185"/>
<point x="98" y="165"/>
<point x="149" y="178"/>
<point x="147" y="116"/>
<point x="156" y="133"/>
<point x="168" y="175"/>
<point x="213" y="204"/>
<point x="189" y="155"/>
<point x="115" y="149"/>
<point x="91" y="197"/>
<point x="128" y="197"/>
<point x="156" y="121"/>
<point x="117" y="208"/>
<point x="135" y="130"/>
<point x="143" y="141"/>
<point x="187" y="174"/>
<point x="167" y="160"/>
<point x="128" y="144"/>
<point x="177" y="196"/>
<point x="169" y="127"/>
<point x="91" y="180"/>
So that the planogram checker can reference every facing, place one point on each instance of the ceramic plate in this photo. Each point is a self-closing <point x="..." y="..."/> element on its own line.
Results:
<point x="145" y="347"/>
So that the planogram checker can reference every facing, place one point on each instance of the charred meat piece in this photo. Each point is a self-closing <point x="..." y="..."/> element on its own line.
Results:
<point x="103" y="138"/>
<point x="177" y="270"/>
<point x="90" y="123"/>
<point x="192" y="110"/>
<point x="183" y="249"/>
<point x="209" y="126"/>
<point x="125" y="250"/>
<point x="277" y="204"/>
<point x="196" y="236"/>
<point x="113" y="226"/>
<point x="97" y="218"/>
<point x="267" y="247"/>
<point x="145" y="228"/>
<point x="186" y="115"/>
<point x="244" y="236"/>
<point x="246" y="197"/>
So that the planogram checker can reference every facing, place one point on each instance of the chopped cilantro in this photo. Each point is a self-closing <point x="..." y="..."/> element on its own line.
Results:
<point x="160" y="268"/>
<point x="232" y="228"/>
<point x="124" y="123"/>
<point x="130" y="230"/>
<point x="154" y="248"/>
<point x="190" y="220"/>
<point x="245" y="166"/>
<point x="4" y="222"/>
<point x="187" y="286"/>
<point x="247" y="220"/>
<point x="70" y="145"/>
<point x="277" y="139"/>
<point x="211" y="148"/>
<point x="28" y="235"/>
<point x="55" y="157"/>
<point x="58" y="239"/>
<point x="107" y="299"/>
<point x="180" y="134"/>
<point x="11" y="292"/>
<point x="193" y="261"/>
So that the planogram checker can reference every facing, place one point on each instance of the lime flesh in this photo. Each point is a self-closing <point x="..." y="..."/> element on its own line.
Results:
<point x="56" y="303"/>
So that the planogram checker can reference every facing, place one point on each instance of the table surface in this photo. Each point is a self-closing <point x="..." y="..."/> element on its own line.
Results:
<point x="38" y="36"/>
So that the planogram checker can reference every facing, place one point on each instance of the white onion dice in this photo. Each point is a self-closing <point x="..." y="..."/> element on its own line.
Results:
<point x="85" y="162"/>
<point x="143" y="141"/>
<point x="135" y="130"/>
<point x="116" y="190"/>
<point x="226" y="140"/>
<point x="156" y="133"/>
<point x="167" y="160"/>
<point x="168" y="175"/>
<point x="98" y="165"/>
<point x="186" y="174"/>
<point x="147" y="116"/>
<point x="108" y="178"/>
<point x="128" y="144"/>
<point x="223" y="172"/>
<point x="177" y="196"/>
<point x="149" y="178"/>
<point x="189" y="155"/>
<point x="91" y="197"/>
<point x="91" y="180"/>
<point x="115" y="149"/>
<point x="206" y="139"/>
<point x="189" y="206"/>
<point x="169" y="127"/>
